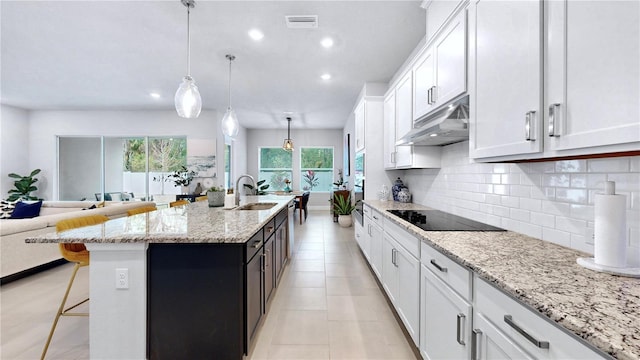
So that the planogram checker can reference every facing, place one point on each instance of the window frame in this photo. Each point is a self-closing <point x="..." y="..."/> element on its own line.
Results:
<point x="330" y="169"/>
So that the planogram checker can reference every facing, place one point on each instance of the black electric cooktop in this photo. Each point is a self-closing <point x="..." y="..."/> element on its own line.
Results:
<point x="435" y="220"/>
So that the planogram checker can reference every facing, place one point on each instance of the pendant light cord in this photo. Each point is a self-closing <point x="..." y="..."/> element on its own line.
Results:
<point x="230" y="57"/>
<point x="188" y="41"/>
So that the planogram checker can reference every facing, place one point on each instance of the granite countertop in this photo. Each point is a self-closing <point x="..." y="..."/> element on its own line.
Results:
<point x="602" y="309"/>
<point x="194" y="223"/>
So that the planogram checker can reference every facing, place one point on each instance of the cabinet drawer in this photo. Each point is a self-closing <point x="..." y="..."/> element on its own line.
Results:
<point x="376" y="217"/>
<point x="452" y="273"/>
<point x="534" y="334"/>
<point x="253" y="245"/>
<point x="281" y="217"/>
<point x="403" y="237"/>
<point x="366" y="209"/>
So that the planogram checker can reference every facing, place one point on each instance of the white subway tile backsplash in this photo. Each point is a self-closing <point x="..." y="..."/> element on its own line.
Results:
<point x="542" y="219"/>
<point x="571" y="166"/>
<point x="521" y="215"/>
<point x="609" y="165"/>
<point x="557" y="180"/>
<point x="520" y="190"/>
<point x="577" y="196"/>
<point x="556" y="236"/>
<point x="550" y="200"/>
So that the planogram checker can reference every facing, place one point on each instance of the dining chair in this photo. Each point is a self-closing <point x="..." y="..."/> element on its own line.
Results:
<point x="76" y="253"/>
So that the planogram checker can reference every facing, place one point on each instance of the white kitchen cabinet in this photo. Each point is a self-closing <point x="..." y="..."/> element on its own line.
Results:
<point x="373" y="238"/>
<point x="438" y="12"/>
<point x="404" y="120"/>
<point x="401" y="282"/>
<point x="445" y="320"/>
<point x="491" y="343"/>
<point x="440" y="73"/>
<point x="592" y="71"/>
<point x="362" y="238"/>
<point x="506" y="64"/>
<point x="359" y="116"/>
<point x="390" y="130"/>
<point x="520" y="329"/>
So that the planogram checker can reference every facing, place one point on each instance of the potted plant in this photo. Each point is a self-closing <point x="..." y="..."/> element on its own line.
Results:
<point x="343" y="207"/>
<point x="183" y="178"/>
<point x="260" y="188"/>
<point x="215" y="196"/>
<point x="24" y="186"/>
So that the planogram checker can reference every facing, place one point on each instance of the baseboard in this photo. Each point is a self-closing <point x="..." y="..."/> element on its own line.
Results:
<point x="34" y="270"/>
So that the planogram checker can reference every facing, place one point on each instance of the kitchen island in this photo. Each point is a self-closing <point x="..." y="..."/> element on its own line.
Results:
<point x="600" y="310"/>
<point x="196" y="279"/>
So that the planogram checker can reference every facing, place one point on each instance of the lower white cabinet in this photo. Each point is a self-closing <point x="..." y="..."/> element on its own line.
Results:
<point x="445" y="320"/>
<point x="362" y="238"/>
<point x="401" y="281"/>
<point x="504" y="326"/>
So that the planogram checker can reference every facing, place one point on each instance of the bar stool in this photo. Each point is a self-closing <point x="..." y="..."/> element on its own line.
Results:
<point x="141" y="210"/>
<point x="78" y="254"/>
<point x="182" y="202"/>
<point x="202" y="198"/>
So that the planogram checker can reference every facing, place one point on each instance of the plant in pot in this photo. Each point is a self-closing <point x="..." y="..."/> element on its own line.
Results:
<point x="23" y="186"/>
<point x="343" y="207"/>
<point x="260" y="188"/>
<point x="215" y="196"/>
<point x="183" y="178"/>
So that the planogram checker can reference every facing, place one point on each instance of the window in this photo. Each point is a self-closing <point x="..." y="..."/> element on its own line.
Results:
<point x="227" y="166"/>
<point x="316" y="168"/>
<point x="275" y="166"/>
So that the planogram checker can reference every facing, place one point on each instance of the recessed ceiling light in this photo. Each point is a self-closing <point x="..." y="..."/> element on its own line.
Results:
<point x="256" y="34"/>
<point x="325" y="76"/>
<point x="433" y="135"/>
<point x="327" y="42"/>
<point x="154" y="95"/>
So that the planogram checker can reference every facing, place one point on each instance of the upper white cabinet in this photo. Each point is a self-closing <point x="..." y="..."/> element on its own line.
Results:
<point x="404" y="120"/>
<point x="592" y="75"/>
<point x="506" y="63"/>
<point x="440" y="73"/>
<point x="390" y="130"/>
<point x="359" y="114"/>
<point x="437" y="14"/>
<point x="583" y="55"/>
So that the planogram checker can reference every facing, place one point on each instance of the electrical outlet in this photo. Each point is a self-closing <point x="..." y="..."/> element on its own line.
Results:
<point x="122" y="278"/>
<point x="589" y="236"/>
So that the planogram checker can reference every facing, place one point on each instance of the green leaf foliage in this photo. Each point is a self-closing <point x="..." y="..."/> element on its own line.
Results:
<point x="23" y="186"/>
<point x="342" y="205"/>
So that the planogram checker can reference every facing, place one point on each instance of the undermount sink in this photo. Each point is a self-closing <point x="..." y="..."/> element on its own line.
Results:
<point x="257" y="206"/>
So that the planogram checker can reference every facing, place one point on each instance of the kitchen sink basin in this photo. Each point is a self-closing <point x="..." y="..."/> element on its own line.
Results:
<point x="257" y="206"/>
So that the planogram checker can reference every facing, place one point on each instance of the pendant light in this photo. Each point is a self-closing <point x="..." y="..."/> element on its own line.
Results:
<point x="230" y="120"/>
<point x="288" y="143"/>
<point x="187" y="100"/>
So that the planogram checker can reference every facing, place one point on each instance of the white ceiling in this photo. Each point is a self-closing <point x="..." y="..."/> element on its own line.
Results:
<point x="110" y="55"/>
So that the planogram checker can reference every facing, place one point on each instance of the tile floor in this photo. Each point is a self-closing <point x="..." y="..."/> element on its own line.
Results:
<point x="327" y="306"/>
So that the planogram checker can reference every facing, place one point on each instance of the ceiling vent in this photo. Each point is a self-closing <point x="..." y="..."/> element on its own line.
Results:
<point x="302" y="21"/>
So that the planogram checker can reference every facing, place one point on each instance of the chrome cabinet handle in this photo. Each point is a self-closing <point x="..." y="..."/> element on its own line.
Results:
<point x="433" y="262"/>
<point x="474" y="344"/>
<point x="553" y="120"/>
<point x="257" y="244"/>
<point x="375" y="217"/>
<point x="262" y="263"/>
<point x="529" y="126"/>
<point x="429" y="96"/>
<point x="270" y="229"/>
<point x="459" y="329"/>
<point x="393" y="257"/>
<point x="541" y="344"/>
<point x="432" y="97"/>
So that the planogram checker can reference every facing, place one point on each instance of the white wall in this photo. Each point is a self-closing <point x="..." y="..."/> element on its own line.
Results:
<point x="14" y="147"/>
<point x="258" y="137"/>
<point x="44" y="126"/>
<point x="550" y="200"/>
<point x="80" y="167"/>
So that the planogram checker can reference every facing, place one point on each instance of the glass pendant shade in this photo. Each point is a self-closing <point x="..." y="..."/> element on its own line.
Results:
<point x="230" y="124"/>
<point x="288" y="145"/>
<point x="188" y="101"/>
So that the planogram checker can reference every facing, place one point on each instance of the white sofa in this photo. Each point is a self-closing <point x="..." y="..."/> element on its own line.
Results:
<point x="17" y="256"/>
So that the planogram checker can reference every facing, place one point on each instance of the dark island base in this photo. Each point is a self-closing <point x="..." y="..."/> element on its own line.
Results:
<point x="195" y="301"/>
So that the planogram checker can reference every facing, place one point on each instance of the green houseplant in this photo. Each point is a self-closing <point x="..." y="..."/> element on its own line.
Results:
<point x="261" y="189"/>
<point x="23" y="186"/>
<point x="343" y="207"/>
<point x="215" y="196"/>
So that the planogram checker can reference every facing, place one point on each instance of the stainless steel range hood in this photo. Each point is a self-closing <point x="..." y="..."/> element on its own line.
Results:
<point x="448" y="125"/>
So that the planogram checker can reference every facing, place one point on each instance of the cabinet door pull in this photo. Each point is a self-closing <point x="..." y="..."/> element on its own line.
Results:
<point x="393" y="257"/>
<point x="459" y="329"/>
<point x="541" y="344"/>
<point x="529" y="126"/>
<point x="270" y="229"/>
<point x="262" y="263"/>
<point x="474" y="344"/>
<point x="429" y="96"/>
<point x="553" y="120"/>
<point x="432" y="96"/>
<point x="375" y="217"/>
<point x="257" y="244"/>
<point x="434" y="263"/>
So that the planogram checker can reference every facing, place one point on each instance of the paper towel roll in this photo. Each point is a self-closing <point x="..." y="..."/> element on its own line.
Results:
<point x="229" y="201"/>
<point x="610" y="240"/>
